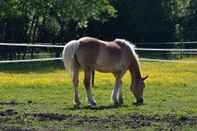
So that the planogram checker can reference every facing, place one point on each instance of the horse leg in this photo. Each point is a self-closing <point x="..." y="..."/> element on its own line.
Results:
<point x="93" y="75"/>
<point x="75" y="80"/>
<point x="117" y="93"/>
<point x="120" y="98"/>
<point x="87" y="79"/>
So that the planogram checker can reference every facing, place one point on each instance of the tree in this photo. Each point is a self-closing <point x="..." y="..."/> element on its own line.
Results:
<point x="138" y="21"/>
<point x="48" y="20"/>
<point x="188" y="21"/>
<point x="61" y="12"/>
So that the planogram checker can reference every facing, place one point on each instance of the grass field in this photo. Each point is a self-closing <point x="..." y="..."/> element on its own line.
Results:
<point x="39" y="97"/>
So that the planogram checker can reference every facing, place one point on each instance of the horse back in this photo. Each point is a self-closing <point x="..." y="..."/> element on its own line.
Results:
<point x="100" y="55"/>
<point x="88" y="51"/>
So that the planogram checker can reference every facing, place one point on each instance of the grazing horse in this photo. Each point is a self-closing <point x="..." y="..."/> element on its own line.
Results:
<point x="116" y="57"/>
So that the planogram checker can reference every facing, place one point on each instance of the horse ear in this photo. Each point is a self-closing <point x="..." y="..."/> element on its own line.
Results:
<point x="144" y="78"/>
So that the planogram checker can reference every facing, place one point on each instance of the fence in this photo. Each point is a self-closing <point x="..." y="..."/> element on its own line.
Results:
<point x="48" y="45"/>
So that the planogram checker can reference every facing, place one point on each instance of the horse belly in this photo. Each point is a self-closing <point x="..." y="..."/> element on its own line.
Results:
<point x="106" y="69"/>
<point x="107" y="63"/>
<point x="87" y="55"/>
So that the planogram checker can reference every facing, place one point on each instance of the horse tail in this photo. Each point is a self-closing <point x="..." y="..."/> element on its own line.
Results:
<point x="69" y="54"/>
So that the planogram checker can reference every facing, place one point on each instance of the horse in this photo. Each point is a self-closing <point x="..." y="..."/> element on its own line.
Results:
<point x="116" y="57"/>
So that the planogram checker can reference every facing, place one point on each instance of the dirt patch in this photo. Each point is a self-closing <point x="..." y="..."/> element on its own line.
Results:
<point x="13" y="128"/>
<point x="130" y="121"/>
<point x="8" y="112"/>
<point x="11" y="102"/>
<point x="47" y="116"/>
<point x="6" y="115"/>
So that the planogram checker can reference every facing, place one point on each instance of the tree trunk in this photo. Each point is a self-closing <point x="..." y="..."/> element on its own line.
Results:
<point x="34" y="35"/>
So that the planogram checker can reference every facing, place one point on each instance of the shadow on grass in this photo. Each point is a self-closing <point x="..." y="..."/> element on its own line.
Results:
<point x="38" y="67"/>
<point x="101" y="107"/>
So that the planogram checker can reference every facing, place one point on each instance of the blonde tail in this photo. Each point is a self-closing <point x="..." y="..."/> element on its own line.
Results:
<point x="69" y="53"/>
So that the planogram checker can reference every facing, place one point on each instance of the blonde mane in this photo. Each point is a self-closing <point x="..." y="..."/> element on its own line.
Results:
<point x="130" y="45"/>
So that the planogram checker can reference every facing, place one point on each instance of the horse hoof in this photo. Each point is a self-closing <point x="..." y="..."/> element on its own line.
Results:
<point x="117" y="103"/>
<point x="76" y="106"/>
<point x="138" y="103"/>
<point x="121" y="101"/>
<point x="92" y="105"/>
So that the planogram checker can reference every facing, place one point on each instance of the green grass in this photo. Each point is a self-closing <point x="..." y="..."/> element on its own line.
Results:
<point x="37" y="89"/>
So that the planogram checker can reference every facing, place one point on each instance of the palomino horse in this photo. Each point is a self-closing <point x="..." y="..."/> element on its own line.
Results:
<point x="116" y="57"/>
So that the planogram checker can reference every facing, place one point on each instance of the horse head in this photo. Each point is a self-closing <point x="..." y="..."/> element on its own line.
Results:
<point x="138" y="89"/>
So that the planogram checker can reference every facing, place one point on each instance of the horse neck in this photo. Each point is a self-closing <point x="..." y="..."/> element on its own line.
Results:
<point x="135" y="71"/>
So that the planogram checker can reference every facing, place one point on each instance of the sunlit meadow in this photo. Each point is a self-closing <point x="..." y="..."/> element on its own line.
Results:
<point x="171" y="89"/>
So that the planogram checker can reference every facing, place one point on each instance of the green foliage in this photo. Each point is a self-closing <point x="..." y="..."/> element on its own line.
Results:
<point x="60" y="13"/>
<point x="139" y="21"/>
<point x="188" y="22"/>
<point x="63" y="20"/>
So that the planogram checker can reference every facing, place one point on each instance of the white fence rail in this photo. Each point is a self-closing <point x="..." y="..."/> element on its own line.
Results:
<point x="48" y="45"/>
<point x="168" y="43"/>
<point x="169" y="61"/>
<point x="167" y="50"/>
<point x="60" y="58"/>
<point x="30" y="60"/>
